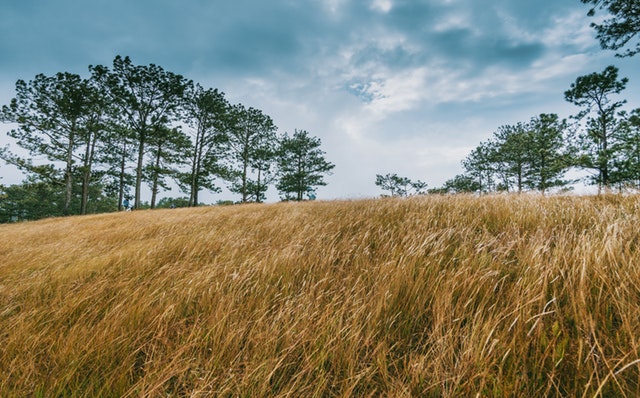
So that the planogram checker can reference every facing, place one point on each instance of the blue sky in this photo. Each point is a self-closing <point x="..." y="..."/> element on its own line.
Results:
<point x="390" y="86"/>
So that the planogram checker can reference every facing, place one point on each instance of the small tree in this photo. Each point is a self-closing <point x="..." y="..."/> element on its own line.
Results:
<point x="170" y="203"/>
<point x="509" y="152"/>
<point x="33" y="199"/>
<point x="458" y="184"/>
<point x="117" y="155"/>
<point x="206" y="113"/>
<point x="249" y="133"/>
<point x="548" y="154"/>
<point x="166" y="149"/>
<point x="400" y="186"/>
<point x="264" y="157"/>
<point x="479" y="165"/>
<point x="628" y="160"/>
<point x="301" y="165"/>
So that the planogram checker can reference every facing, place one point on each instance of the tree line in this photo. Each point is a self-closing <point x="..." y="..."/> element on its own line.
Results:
<point x="101" y="138"/>
<point x="602" y="138"/>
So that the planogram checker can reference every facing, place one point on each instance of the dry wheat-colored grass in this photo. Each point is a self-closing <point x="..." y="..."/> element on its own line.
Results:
<point x="446" y="296"/>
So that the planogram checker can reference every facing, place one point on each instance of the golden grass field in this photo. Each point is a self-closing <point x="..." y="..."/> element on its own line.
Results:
<point x="436" y="296"/>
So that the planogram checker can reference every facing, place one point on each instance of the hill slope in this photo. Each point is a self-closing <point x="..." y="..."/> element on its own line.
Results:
<point x="436" y="296"/>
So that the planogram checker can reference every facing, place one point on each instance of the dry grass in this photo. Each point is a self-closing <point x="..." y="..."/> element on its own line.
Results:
<point x="429" y="296"/>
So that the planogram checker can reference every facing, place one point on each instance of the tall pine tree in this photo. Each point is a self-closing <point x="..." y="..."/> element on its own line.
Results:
<point x="301" y="165"/>
<point x="149" y="99"/>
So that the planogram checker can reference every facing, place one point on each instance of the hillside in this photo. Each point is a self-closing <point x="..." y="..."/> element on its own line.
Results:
<point x="427" y="296"/>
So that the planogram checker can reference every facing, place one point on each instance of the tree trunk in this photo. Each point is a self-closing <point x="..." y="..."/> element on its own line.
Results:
<point x="543" y="178"/>
<point x="68" y="171"/>
<point x="245" y="164"/>
<point x="258" y="186"/>
<point x="302" y="186"/>
<point x="605" y="165"/>
<point x="156" y="176"/>
<point x="121" y="177"/>
<point x="86" y="171"/>
<point x="86" y="178"/>
<point x="244" y="177"/>
<point x="136" y="203"/>
<point x="192" y="188"/>
<point x="195" y="196"/>
<point x="195" y="169"/>
<point x="520" y="180"/>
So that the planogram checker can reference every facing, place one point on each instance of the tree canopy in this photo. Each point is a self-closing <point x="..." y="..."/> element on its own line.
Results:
<point x="594" y="94"/>
<point x="301" y="165"/>
<point x="148" y="98"/>
<point x="618" y="31"/>
<point x="92" y="140"/>
<point x="400" y="186"/>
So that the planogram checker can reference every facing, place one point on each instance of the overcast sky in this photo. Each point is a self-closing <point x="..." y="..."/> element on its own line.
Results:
<point x="390" y="86"/>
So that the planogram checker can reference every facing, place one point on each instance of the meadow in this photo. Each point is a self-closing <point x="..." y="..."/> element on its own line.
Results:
<point x="430" y="296"/>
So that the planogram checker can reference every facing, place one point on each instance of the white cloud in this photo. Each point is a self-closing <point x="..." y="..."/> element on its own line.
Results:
<point x="570" y="30"/>
<point x="333" y="7"/>
<point x="455" y="20"/>
<point x="396" y="92"/>
<point x="382" y="5"/>
<point x="556" y="66"/>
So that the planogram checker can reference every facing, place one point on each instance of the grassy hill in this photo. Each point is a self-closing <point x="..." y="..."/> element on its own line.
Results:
<point x="427" y="296"/>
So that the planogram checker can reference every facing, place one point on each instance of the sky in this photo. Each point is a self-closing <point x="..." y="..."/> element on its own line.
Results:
<point x="389" y="86"/>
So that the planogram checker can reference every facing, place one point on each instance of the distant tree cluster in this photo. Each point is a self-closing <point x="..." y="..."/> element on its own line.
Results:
<point x="524" y="156"/>
<point x="99" y="139"/>
<point x="400" y="186"/>
<point x="601" y="138"/>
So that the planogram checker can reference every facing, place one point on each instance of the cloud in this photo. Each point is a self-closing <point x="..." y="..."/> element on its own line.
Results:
<point x="382" y="5"/>
<point x="409" y="84"/>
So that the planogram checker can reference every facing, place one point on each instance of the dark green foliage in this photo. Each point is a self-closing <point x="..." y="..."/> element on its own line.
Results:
<point x="627" y="160"/>
<point x="598" y="140"/>
<point x="458" y="184"/>
<point x="400" y="186"/>
<point x="167" y="147"/>
<point x="549" y="154"/>
<point x="617" y="32"/>
<point x="301" y="166"/>
<point x="525" y="156"/>
<point x="510" y="153"/>
<point x="30" y="201"/>
<point x="35" y="199"/>
<point x="105" y="135"/>
<point x="148" y="99"/>
<point x="479" y="166"/>
<point x="249" y="148"/>
<point x="206" y="113"/>
<point x="55" y="117"/>
<point x="170" y="203"/>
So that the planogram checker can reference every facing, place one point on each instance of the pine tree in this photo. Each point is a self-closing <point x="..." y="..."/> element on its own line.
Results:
<point x="592" y="92"/>
<point x="301" y="165"/>
<point x="148" y="98"/>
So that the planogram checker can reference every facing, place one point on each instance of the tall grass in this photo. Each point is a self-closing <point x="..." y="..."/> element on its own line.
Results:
<point x="428" y="296"/>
